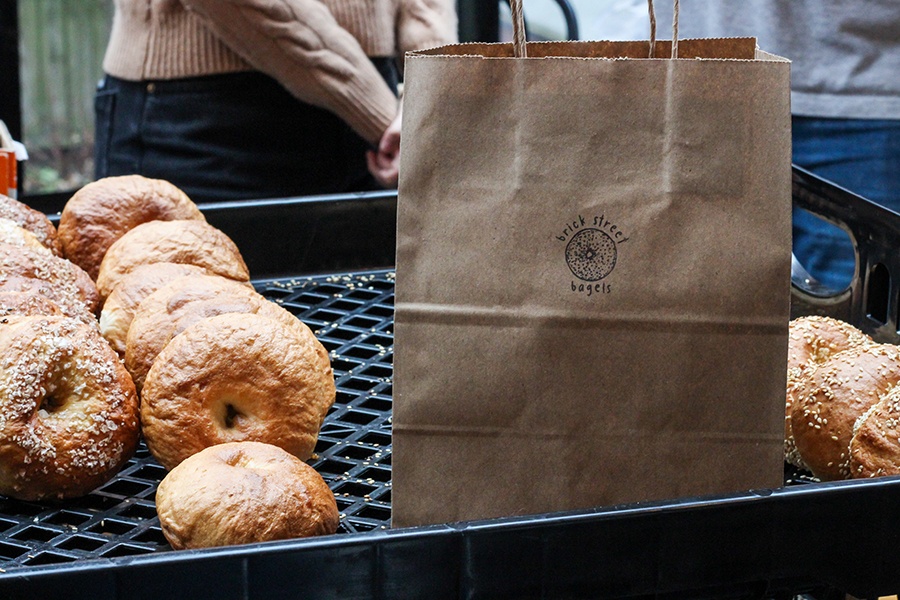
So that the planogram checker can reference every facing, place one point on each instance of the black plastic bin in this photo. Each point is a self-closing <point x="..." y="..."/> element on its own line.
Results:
<point x="328" y="260"/>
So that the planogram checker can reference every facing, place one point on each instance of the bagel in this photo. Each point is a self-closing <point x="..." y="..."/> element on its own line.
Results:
<point x="812" y="340"/>
<point x="175" y="306"/>
<point x="837" y="392"/>
<point x="28" y="304"/>
<point x="13" y="233"/>
<point x="67" y="300"/>
<point x="187" y="242"/>
<point x="236" y="377"/>
<point x="119" y="308"/>
<point x="68" y="409"/>
<point x="875" y="446"/>
<point x="32" y="220"/>
<point x="61" y="281"/>
<point x="102" y="211"/>
<point x="241" y="493"/>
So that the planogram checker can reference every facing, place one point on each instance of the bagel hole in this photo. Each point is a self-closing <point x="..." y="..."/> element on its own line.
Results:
<point x="231" y="415"/>
<point x="51" y="404"/>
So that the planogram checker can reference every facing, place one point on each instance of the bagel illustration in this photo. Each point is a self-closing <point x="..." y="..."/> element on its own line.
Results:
<point x="591" y="254"/>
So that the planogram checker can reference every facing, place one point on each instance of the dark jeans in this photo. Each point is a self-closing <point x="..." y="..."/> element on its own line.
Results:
<point x="862" y="156"/>
<point x="226" y="137"/>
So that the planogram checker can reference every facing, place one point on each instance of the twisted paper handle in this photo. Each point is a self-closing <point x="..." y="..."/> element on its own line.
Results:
<point x="653" y="29"/>
<point x="675" y="31"/>
<point x="518" y="22"/>
<point x="520" y="49"/>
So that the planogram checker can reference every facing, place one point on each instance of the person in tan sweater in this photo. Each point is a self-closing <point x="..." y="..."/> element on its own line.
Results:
<point x="260" y="98"/>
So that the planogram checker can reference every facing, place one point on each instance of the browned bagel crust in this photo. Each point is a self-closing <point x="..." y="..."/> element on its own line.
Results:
<point x="71" y="282"/>
<point x="875" y="447"/>
<point x="119" y="308"/>
<point x="241" y="493"/>
<point x="811" y="341"/>
<point x="837" y="393"/>
<point x="33" y="220"/>
<point x="68" y="409"/>
<point x="102" y="211"/>
<point x="27" y="304"/>
<point x="187" y="242"/>
<point x="236" y="377"/>
<point x="178" y="304"/>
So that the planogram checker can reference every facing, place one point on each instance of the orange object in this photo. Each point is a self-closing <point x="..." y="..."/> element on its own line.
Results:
<point x="4" y="171"/>
<point x="12" y="188"/>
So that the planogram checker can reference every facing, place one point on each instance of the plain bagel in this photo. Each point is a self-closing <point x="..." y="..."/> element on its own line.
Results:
<point x="240" y="493"/>
<point x="187" y="242"/>
<point x="102" y="211"/>
<point x="119" y="308"/>
<point x="182" y="302"/>
<point x="237" y="377"/>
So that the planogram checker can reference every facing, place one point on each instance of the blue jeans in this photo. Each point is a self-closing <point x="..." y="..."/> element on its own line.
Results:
<point x="229" y="137"/>
<point x="862" y="156"/>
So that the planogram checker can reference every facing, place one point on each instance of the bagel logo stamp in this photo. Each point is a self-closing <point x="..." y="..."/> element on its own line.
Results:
<point x="591" y="252"/>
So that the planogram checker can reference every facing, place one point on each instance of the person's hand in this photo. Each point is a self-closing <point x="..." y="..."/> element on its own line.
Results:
<point x="384" y="163"/>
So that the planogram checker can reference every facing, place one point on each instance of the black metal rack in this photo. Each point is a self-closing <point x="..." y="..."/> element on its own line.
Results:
<point x="352" y="316"/>
<point x="819" y="539"/>
<point x="872" y="301"/>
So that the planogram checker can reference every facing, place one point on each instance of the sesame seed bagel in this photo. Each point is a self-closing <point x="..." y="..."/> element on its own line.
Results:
<point x="68" y="409"/>
<point x="186" y="242"/>
<point x="102" y="211"/>
<point x="32" y="220"/>
<point x="237" y="377"/>
<point x="64" y="297"/>
<point x="182" y="302"/>
<point x="875" y="447"/>
<point x="812" y="340"/>
<point x="63" y="282"/>
<point x="837" y="392"/>
<point x="119" y="308"/>
<point x="27" y="304"/>
<point x="15" y="234"/>
<point x="241" y="493"/>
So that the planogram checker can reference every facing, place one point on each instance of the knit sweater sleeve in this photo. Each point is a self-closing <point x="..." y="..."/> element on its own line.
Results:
<point x="426" y="24"/>
<point x="299" y="43"/>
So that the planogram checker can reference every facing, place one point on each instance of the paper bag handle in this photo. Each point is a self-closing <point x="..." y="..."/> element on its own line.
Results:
<point x="518" y="24"/>
<point x="520" y="49"/>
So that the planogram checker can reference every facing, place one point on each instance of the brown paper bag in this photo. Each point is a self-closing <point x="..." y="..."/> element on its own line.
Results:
<point x="593" y="271"/>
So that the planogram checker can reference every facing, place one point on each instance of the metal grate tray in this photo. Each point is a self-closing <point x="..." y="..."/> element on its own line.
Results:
<point x="352" y="316"/>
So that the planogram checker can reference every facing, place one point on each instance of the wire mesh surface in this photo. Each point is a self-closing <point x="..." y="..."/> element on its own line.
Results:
<point x="352" y="316"/>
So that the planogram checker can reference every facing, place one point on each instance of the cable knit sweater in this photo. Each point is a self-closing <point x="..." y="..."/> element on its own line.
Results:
<point x="317" y="49"/>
